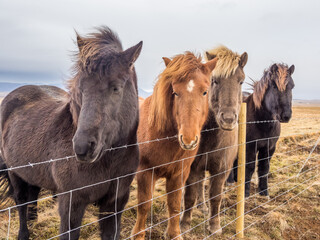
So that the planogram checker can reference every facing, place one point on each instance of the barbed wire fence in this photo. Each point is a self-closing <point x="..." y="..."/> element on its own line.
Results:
<point x="301" y="174"/>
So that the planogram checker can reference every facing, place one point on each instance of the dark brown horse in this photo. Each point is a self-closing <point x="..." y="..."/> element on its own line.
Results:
<point x="101" y="111"/>
<point x="178" y="106"/>
<point x="225" y="101"/>
<point x="271" y="100"/>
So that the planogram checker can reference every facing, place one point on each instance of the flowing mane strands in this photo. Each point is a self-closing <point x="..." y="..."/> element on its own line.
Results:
<point x="228" y="61"/>
<point x="161" y="100"/>
<point x="260" y="87"/>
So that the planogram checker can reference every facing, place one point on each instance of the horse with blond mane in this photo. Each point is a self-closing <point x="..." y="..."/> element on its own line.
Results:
<point x="225" y="101"/>
<point x="178" y="106"/>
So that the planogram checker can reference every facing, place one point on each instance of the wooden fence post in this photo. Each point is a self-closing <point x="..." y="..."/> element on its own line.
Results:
<point x="241" y="170"/>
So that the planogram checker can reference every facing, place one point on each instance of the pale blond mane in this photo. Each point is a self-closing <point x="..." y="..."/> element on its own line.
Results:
<point x="161" y="103"/>
<point x="228" y="61"/>
<point x="260" y="87"/>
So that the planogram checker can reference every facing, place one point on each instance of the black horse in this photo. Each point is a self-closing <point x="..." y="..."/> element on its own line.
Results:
<point x="100" y="112"/>
<point x="271" y="100"/>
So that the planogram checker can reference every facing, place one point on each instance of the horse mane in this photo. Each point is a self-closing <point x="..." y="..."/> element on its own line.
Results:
<point x="96" y="52"/>
<point x="260" y="87"/>
<point x="228" y="61"/>
<point x="161" y="102"/>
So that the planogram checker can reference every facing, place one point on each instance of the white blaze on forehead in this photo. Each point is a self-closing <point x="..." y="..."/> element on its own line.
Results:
<point x="190" y="86"/>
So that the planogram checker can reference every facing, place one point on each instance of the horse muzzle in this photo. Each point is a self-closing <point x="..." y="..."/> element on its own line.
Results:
<point x="86" y="151"/>
<point x="188" y="146"/>
<point x="227" y="120"/>
<point x="285" y="117"/>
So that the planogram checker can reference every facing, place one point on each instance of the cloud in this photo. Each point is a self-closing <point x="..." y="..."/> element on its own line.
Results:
<point x="38" y="36"/>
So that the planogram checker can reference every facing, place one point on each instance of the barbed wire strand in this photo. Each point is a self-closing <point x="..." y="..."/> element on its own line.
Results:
<point x="251" y="196"/>
<point x="152" y="196"/>
<point x="167" y="219"/>
<point x="109" y="180"/>
<point x="316" y="144"/>
<point x="260" y="206"/>
<point x="122" y="147"/>
<point x="278" y="207"/>
<point x="70" y="205"/>
<point x="9" y="209"/>
<point x="8" y="232"/>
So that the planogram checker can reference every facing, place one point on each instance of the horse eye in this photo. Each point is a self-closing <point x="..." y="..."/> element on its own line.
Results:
<point x="205" y="93"/>
<point x="215" y="82"/>
<point x="241" y="83"/>
<point x="176" y="94"/>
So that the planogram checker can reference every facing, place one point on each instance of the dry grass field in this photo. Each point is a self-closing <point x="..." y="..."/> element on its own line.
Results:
<point x="275" y="218"/>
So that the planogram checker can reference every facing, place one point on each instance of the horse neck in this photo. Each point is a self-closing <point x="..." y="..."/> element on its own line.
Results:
<point x="259" y="114"/>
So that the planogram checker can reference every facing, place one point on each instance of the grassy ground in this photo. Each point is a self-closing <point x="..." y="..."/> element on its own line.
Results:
<point x="297" y="219"/>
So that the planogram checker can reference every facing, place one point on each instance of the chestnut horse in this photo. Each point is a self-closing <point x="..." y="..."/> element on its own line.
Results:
<point x="225" y="101"/>
<point x="178" y="106"/>
<point x="101" y="111"/>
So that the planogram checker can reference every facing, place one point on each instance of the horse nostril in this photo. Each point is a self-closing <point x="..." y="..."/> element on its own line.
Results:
<point x="92" y="145"/>
<point x="83" y="148"/>
<point x="195" y="142"/>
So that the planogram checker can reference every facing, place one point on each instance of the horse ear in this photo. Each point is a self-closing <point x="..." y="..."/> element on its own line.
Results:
<point x="80" y="41"/>
<point x="291" y="69"/>
<point x="166" y="61"/>
<point x="131" y="54"/>
<point x="243" y="59"/>
<point x="274" y="68"/>
<point x="211" y="64"/>
<point x="210" y="56"/>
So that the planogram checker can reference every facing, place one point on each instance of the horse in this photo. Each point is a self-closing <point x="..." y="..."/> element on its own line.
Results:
<point x="225" y="102"/>
<point x="178" y="107"/>
<point x="271" y="100"/>
<point x="100" y="112"/>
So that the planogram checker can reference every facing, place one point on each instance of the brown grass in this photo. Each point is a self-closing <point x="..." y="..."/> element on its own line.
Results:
<point x="297" y="219"/>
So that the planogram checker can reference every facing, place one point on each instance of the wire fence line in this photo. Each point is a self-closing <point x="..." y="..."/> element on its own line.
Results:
<point x="154" y="198"/>
<point x="224" y="210"/>
<point x="152" y="168"/>
<point x="130" y="145"/>
<point x="233" y="205"/>
<point x="270" y="200"/>
<point x="178" y="214"/>
<point x="190" y="184"/>
<point x="255" y="222"/>
<point x="193" y="207"/>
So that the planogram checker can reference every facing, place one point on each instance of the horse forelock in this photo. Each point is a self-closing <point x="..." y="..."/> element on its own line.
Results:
<point x="260" y="87"/>
<point x="228" y="61"/>
<point x="282" y="79"/>
<point x="178" y="70"/>
<point x="97" y="52"/>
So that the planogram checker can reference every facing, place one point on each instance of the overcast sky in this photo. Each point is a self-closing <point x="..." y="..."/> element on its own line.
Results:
<point x="36" y="37"/>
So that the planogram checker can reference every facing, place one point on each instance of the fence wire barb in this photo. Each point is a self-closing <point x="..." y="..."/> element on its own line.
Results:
<point x="161" y="165"/>
<point x="199" y="204"/>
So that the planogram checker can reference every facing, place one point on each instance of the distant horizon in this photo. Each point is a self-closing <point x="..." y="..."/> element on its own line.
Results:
<point x="146" y="91"/>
